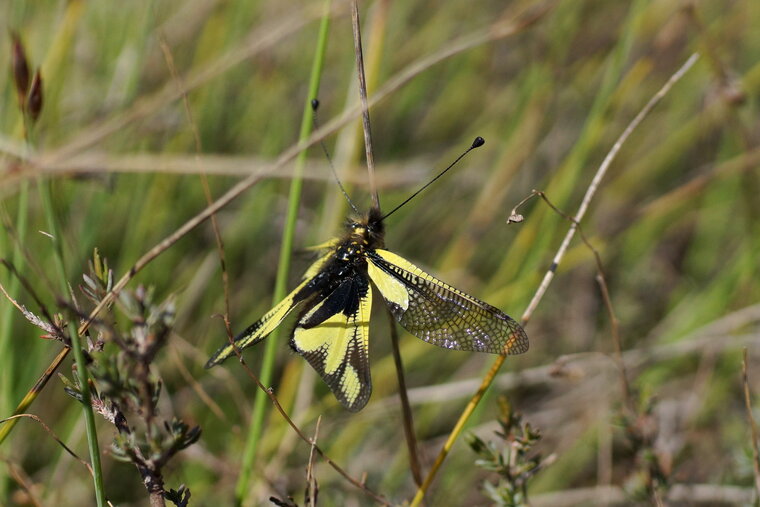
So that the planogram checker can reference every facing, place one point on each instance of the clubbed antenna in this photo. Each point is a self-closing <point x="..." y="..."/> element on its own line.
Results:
<point x="477" y="143"/>
<point x="314" y="107"/>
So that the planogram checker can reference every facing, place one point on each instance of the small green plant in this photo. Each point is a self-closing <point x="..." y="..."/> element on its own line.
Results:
<point x="513" y="459"/>
<point x="125" y="390"/>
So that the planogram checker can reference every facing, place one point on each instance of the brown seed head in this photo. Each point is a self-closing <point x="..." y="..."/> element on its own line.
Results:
<point x="19" y="67"/>
<point x="35" y="96"/>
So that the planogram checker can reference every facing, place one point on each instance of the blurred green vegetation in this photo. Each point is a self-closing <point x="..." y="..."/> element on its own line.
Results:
<point x="676" y="222"/>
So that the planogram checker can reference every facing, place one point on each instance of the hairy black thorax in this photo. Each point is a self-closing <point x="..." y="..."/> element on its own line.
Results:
<point x="363" y="234"/>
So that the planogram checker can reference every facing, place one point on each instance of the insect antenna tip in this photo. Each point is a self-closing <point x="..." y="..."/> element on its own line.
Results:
<point x="478" y="142"/>
<point x="314" y="104"/>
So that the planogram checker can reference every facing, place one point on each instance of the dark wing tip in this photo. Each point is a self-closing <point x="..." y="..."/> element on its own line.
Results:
<point x="218" y="357"/>
<point x="517" y="343"/>
<point x="357" y="405"/>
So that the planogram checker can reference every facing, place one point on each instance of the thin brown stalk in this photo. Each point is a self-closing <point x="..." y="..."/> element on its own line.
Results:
<point x="590" y="192"/>
<point x="52" y="435"/>
<point x="204" y="178"/>
<point x="752" y="423"/>
<point x="273" y="398"/>
<point x="406" y="409"/>
<point x="24" y="481"/>
<point x="363" y="96"/>
<point x="408" y="421"/>
<point x="602" y="281"/>
<point x="53" y="332"/>
<point x="30" y="290"/>
<point x="596" y="181"/>
<point x="311" y="481"/>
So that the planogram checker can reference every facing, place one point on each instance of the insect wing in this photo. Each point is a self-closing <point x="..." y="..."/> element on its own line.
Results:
<point x="266" y="324"/>
<point x="333" y="336"/>
<point x="440" y="314"/>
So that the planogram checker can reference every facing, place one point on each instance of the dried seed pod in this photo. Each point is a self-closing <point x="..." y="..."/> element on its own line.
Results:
<point x="19" y="67"/>
<point x="35" y="100"/>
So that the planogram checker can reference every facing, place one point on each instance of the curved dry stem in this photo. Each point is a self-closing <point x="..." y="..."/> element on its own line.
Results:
<point x="590" y="192"/>
<point x="52" y="435"/>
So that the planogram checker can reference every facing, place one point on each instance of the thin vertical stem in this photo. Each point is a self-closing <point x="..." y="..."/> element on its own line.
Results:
<point x="76" y="346"/>
<point x="411" y="440"/>
<point x="365" y="108"/>
<point x="283" y="268"/>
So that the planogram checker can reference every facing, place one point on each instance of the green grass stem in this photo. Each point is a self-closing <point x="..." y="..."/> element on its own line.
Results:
<point x="283" y="268"/>
<point x="89" y="416"/>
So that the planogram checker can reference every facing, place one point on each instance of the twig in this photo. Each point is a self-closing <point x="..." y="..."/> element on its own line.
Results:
<point x="602" y="281"/>
<point x="408" y="421"/>
<point x="363" y="96"/>
<point x="590" y="192"/>
<point x="406" y="409"/>
<point x="30" y="290"/>
<point x="53" y="332"/>
<point x="596" y="181"/>
<point x="366" y="127"/>
<point x="52" y="435"/>
<point x="311" y="481"/>
<point x="752" y="423"/>
<point x="204" y="179"/>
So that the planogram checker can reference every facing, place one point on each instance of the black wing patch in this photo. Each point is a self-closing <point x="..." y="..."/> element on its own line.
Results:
<point x="333" y="336"/>
<point x="440" y="314"/>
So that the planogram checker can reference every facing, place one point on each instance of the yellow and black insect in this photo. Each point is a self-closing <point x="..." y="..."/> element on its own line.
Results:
<point x="335" y="297"/>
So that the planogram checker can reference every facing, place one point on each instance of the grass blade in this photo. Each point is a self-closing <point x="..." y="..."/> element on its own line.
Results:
<point x="283" y="268"/>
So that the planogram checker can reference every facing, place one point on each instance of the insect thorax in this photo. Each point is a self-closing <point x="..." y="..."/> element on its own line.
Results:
<point x="362" y="234"/>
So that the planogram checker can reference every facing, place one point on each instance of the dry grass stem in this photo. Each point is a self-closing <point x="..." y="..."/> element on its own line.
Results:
<point x="590" y="192"/>
<point x="366" y="127"/>
<point x="406" y="409"/>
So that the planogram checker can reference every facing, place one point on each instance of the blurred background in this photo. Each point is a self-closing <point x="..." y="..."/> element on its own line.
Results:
<point x="550" y="86"/>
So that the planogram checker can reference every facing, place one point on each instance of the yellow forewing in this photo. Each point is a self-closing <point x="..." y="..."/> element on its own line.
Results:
<point x="441" y="314"/>
<point x="404" y="264"/>
<point x="264" y="326"/>
<point x="391" y="288"/>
